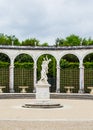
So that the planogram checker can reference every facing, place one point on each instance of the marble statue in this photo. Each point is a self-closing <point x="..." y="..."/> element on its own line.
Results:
<point x="44" y="70"/>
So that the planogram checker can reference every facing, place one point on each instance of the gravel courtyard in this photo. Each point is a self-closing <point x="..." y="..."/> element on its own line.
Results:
<point x="74" y="115"/>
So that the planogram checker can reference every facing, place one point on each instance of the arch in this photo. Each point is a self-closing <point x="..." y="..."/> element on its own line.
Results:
<point x="88" y="71"/>
<point x="72" y="53"/>
<point x="69" y="72"/>
<point x="4" y="71"/>
<point x="6" y="53"/>
<point x="23" y="72"/>
<point x="45" y="53"/>
<point x="86" y="53"/>
<point x="21" y="53"/>
<point x="52" y="70"/>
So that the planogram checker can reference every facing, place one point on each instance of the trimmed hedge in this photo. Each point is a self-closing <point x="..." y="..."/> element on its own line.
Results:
<point x="4" y="64"/>
<point x="24" y="65"/>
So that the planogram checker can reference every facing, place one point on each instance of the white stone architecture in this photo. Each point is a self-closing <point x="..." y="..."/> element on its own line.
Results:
<point x="57" y="52"/>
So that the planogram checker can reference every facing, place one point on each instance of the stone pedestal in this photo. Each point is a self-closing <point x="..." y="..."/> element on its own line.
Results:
<point x="42" y="97"/>
<point x="42" y="91"/>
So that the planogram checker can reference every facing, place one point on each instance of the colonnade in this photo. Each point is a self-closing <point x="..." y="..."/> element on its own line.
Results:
<point x="81" y="77"/>
<point x="57" y="53"/>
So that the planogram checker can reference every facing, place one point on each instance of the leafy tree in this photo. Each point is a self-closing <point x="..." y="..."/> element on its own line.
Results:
<point x="84" y="42"/>
<point x="72" y="40"/>
<point x="60" y="42"/>
<point x="8" y="40"/>
<point x="44" y="44"/>
<point x="30" y="42"/>
<point x="90" y="41"/>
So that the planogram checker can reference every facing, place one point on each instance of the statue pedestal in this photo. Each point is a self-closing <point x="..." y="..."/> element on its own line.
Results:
<point x="42" y="91"/>
<point x="42" y="97"/>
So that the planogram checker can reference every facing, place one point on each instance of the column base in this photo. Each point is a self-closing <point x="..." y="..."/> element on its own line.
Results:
<point x="81" y="91"/>
<point x="58" y="91"/>
<point x="34" y="90"/>
<point x="12" y="91"/>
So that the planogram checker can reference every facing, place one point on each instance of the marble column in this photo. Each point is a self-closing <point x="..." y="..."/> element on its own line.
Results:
<point x="11" y="77"/>
<point x="35" y="75"/>
<point x="81" y="77"/>
<point x="58" y="78"/>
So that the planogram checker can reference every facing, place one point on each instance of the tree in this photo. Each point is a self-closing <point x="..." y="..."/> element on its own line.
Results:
<point x="44" y="44"/>
<point x="59" y="42"/>
<point x="30" y="42"/>
<point x="72" y="40"/>
<point x="8" y="40"/>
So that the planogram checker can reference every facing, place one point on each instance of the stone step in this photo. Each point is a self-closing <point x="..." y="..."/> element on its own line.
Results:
<point x="52" y="96"/>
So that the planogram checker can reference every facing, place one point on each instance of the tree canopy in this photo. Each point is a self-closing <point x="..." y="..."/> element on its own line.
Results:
<point x="71" y="40"/>
<point x="8" y="40"/>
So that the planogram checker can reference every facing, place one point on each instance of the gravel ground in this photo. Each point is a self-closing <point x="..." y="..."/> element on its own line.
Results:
<point x="45" y="125"/>
<point x="74" y="115"/>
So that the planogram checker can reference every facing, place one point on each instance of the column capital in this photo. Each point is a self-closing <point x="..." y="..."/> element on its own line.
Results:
<point x="81" y="66"/>
<point x="58" y="67"/>
<point x="35" y="67"/>
<point x="11" y="66"/>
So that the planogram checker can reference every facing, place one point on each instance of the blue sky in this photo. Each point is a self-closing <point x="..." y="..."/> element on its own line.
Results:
<point x="46" y="20"/>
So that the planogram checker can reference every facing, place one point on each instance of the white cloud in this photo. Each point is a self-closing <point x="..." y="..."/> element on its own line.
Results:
<point x="46" y="19"/>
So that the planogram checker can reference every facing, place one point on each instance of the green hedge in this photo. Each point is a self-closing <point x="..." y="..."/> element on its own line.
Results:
<point x="4" y="64"/>
<point x="24" y="65"/>
<point x="88" y="65"/>
<point x="66" y="64"/>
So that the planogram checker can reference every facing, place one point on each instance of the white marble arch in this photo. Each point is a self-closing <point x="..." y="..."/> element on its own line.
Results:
<point x="58" y="52"/>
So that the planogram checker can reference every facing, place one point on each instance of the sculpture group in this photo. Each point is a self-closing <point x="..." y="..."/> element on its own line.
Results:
<point x="44" y="71"/>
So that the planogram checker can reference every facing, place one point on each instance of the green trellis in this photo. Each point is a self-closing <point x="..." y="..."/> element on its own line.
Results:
<point x="23" y="77"/>
<point x="69" y="77"/>
<point x="4" y="78"/>
<point x="88" y="78"/>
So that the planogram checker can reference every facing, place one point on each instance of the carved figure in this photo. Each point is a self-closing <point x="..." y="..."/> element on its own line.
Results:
<point x="44" y="70"/>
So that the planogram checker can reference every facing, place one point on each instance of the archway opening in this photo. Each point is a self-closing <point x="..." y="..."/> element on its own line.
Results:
<point x="4" y="72"/>
<point x="88" y="72"/>
<point x="23" y="73"/>
<point x="69" y="73"/>
<point x="51" y="71"/>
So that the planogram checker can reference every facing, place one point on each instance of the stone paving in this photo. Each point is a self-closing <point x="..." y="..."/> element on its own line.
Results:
<point x="74" y="115"/>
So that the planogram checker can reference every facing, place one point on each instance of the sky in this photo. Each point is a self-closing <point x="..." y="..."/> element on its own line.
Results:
<point x="46" y="20"/>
